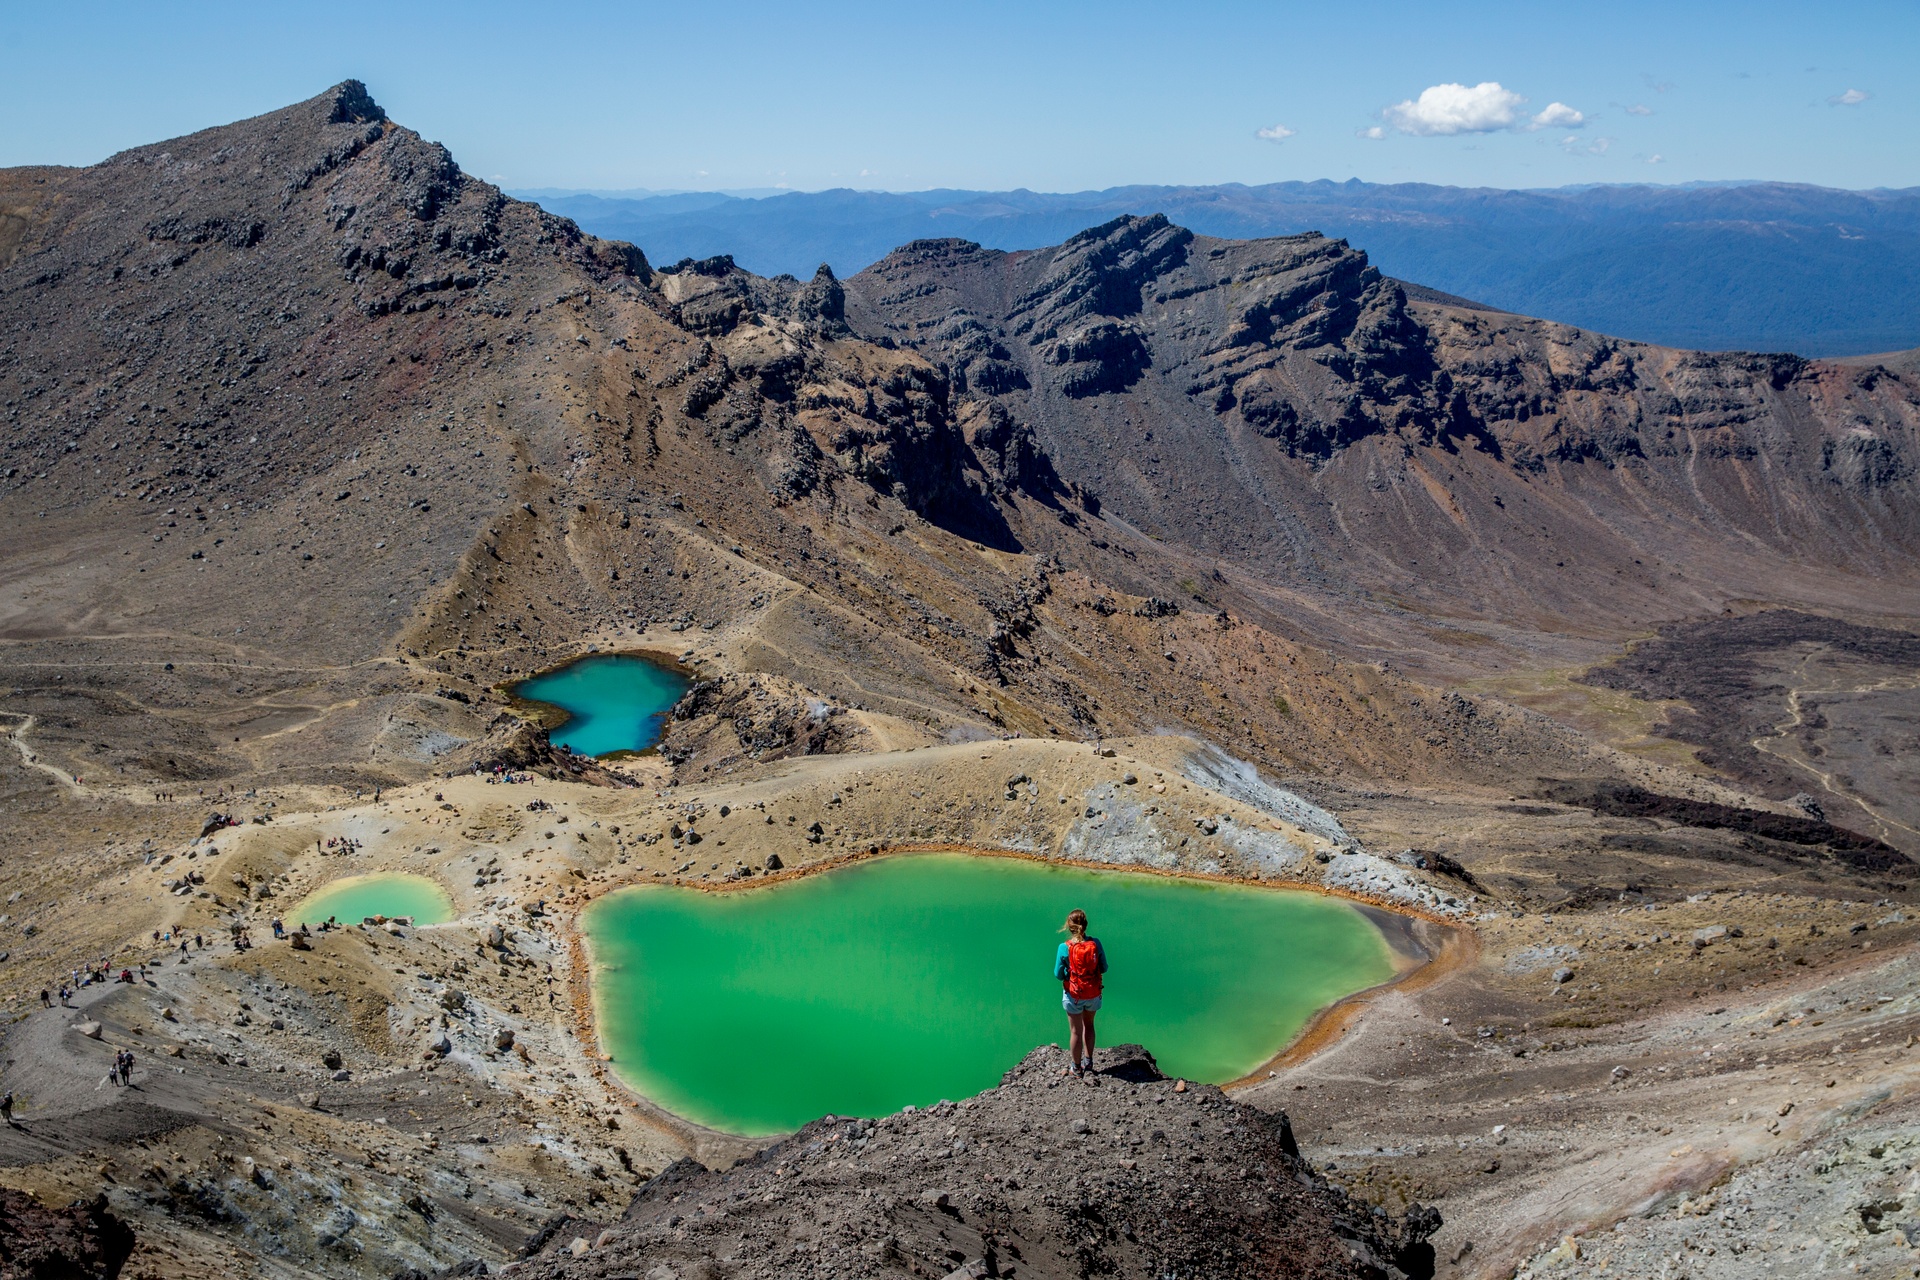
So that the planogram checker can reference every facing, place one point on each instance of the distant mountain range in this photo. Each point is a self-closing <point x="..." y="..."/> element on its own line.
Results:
<point x="1762" y="266"/>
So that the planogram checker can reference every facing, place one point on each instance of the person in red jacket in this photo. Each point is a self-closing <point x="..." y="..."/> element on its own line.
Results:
<point x="1078" y="965"/>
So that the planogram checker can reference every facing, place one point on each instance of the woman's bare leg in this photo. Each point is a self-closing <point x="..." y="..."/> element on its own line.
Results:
<point x="1077" y="1024"/>
<point x="1087" y="1037"/>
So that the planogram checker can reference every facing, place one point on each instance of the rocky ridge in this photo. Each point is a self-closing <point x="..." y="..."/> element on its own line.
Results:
<point x="1123" y="1172"/>
<point x="1466" y="460"/>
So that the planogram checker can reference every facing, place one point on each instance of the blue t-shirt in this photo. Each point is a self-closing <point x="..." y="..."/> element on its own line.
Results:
<point x="1060" y="959"/>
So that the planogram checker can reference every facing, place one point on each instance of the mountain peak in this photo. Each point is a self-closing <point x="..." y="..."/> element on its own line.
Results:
<point x="350" y="103"/>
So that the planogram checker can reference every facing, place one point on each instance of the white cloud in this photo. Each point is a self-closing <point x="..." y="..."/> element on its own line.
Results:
<point x="1559" y="115"/>
<point x="1639" y="109"/>
<point x="1445" y="109"/>
<point x="1278" y="133"/>
<point x="1851" y="98"/>
<point x="1376" y="132"/>
<point x="1655" y="158"/>
<point x="1580" y="147"/>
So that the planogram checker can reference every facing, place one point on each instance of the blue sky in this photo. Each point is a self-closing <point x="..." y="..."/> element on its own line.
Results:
<point x="997" y="95"/>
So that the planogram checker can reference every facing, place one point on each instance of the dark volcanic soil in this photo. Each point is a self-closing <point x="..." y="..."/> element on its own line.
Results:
<point x="1124" y="1173"/>
<point x="84" y="1241"/>
<point x="1791" y="703"/>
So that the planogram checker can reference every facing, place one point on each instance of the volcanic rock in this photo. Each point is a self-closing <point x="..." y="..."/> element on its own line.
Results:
<point x="1058" y="1178"/>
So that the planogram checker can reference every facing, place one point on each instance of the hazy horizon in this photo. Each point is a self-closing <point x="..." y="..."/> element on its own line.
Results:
<point x="765" y="193"/>
<point x="1000" y="96"/>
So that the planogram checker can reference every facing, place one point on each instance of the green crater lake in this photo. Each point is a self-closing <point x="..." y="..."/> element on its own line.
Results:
<point x="614" y="702"/>
<point x="352" y="899"/>
<point x="919" y="977"/>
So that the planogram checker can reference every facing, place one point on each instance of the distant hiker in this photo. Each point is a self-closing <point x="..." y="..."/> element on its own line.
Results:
<point x="123" y="1061"/>
<point x="1078" y="966"/>
<point x="46" y="998"/>
<point x="6" y="1110"/>
<point x="65" y="997"/>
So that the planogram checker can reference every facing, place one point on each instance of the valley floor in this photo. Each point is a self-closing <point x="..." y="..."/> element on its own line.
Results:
<point x="399" y="1096"/>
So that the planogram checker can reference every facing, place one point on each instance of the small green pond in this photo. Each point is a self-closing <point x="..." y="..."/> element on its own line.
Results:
<point x="920" y="977"/>
<point x="352" y="899"/>
<point x="614" y="701"/>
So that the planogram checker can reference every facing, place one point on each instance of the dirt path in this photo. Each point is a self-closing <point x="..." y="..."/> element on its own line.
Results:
<point x="63" y="1100"/>
<point x="18" y="737"/>
<point x="1774" y="742"/>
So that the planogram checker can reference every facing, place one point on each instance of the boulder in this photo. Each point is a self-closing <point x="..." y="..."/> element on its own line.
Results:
<point x="83" y="1239"/>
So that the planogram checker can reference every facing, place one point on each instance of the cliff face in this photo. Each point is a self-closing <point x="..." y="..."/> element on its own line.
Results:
<point x="1282" y="403"/>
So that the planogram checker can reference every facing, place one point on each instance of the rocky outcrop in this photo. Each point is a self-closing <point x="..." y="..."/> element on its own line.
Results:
<point x="1124" y="1173"/>
<point x="735" y="719"/>
<point x="83" y="1241"/>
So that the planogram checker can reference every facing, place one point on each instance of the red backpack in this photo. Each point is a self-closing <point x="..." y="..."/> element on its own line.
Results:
<point x="1083" y="969"/>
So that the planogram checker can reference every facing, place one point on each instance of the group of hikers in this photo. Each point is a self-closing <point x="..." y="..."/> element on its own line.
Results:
<point x="97" y="971"/>
<point x="305" y="930"/>
<point x="220" y="793"/>
<point x="341" y="844"/>
<point x="500" y="773"/>
<point x="121" y="1072"/>
<point x="197" y="942"/>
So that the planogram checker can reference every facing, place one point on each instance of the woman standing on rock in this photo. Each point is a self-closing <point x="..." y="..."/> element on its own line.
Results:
<point x="1078" y="965"/>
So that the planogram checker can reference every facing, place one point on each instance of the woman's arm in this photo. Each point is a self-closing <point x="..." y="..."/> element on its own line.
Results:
<point x="1060" y="963"/>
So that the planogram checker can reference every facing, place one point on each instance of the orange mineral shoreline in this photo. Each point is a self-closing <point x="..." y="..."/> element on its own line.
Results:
<point x="1459" y="946"/>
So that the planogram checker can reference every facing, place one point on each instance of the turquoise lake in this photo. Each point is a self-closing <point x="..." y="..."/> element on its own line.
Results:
<point x="925" y="976"/>
<point x="614" y="702"/>
<point x="352" y="899"/>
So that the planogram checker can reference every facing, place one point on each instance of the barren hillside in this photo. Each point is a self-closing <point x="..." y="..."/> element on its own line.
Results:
<point x="1222" y="558"/>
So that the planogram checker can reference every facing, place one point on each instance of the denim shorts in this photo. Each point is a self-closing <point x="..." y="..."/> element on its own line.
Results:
<point x="1089" y="1005"/>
